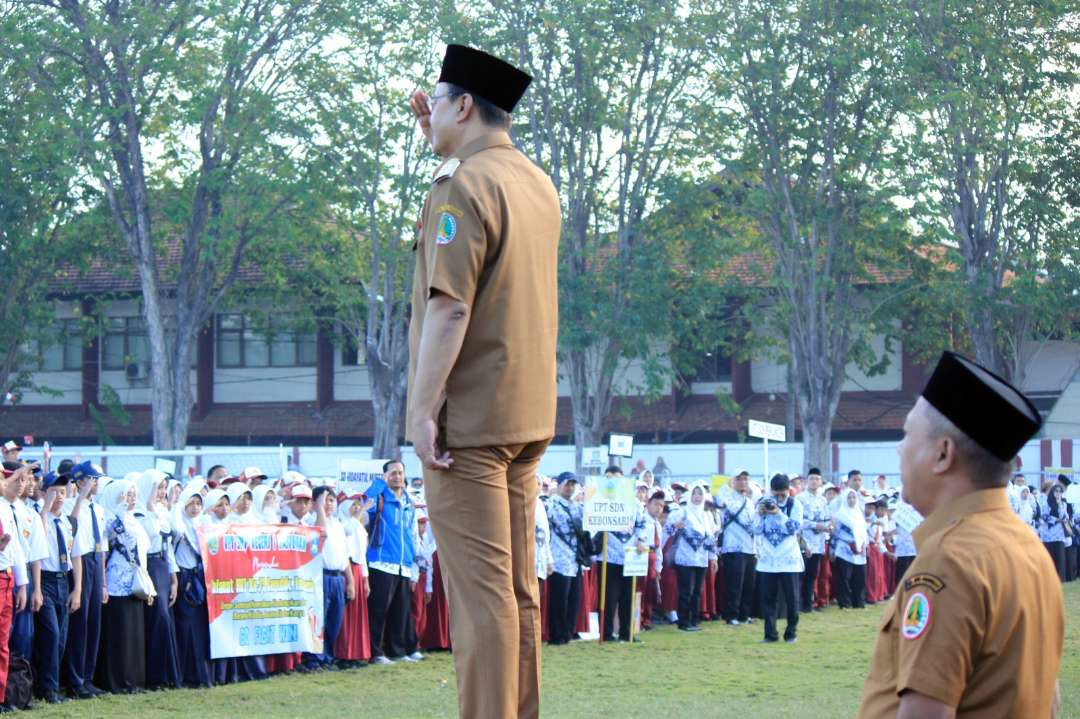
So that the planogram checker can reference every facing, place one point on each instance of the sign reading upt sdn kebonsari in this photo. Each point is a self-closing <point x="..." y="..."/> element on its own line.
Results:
<point x="264" y="588"/>
<point x="610" y="504"/>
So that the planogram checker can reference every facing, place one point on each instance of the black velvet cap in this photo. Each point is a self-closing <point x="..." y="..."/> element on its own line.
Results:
<point x="498" y="82"/>
<point x="996" y="415"/>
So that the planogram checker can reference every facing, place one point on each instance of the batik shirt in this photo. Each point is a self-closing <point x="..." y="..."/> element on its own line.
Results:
<point x="563" y="515"/>
<point x="737" y="519"/>
<point x="692" y="548"/>
<point x="1051" y="528"/>
<point x="617" y="541"/>
<point x="543" y="541"/>
<point x="778" y="545"/>
<point x="815" y="509"/>
<point x="841" y="544"/>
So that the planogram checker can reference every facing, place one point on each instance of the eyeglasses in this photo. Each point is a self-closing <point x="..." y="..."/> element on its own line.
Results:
<point x="432" y="99"/>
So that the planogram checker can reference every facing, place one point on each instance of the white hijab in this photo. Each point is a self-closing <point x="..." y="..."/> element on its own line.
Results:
<point x="209" y="501"/>
<point x="235" y="491"/>
<point x="258" y="499"/>
<point x="697" y="518"/>
<point x="116" y="507"/>
<point x="853" y="517"/>
<point x="184" y="525"/>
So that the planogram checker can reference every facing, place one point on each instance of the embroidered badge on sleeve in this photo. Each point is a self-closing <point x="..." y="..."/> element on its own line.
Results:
<point x="916" y="616"/>
<point x="447" y="229"/>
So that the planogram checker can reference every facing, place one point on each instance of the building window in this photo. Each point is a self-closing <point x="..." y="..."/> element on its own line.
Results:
<point x="124" y="343"/>
<point x="244" y="341"/>
<point x="62" y="351"/>
<point x="714" y="366"/>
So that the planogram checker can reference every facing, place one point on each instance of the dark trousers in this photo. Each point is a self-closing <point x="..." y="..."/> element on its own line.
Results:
<point x="809" y="579"/>
<point x="850" y="584"/>
<point x="773" y="584"/>
<point x="564" y="594"/>
<point x="162" y="658"/>
<point x="50" y="630"/>
<point x="902" y="564"/>
<point x="390" y="615"/>
<point x="1057" y="553"/>
<point x="690" y="580"/>
<point x="84" y="626"/>
<point x="333" y="617"/>
<point x="618" y="599"/>
<point x="21" y="641"/>
<point x="192" y="634"/>
<point x="1072" y="565"/>
<point x="738" y="585"/>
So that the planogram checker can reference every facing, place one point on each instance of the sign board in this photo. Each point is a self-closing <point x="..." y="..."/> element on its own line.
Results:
<point x="635" y="564"/>
<point x="767" y="430"/>
<point x="168" y="466"/>
<point x="264" y="588"/>
<point x="594" y="457"/>
<point x="718" y="482"/>
<point x="610" y="504"/>
<point x="356" y="475"/>
<point x="907" y="517"/>
<point x="621" y="445"/>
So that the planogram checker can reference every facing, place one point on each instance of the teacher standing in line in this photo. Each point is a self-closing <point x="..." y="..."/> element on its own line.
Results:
<point x="481" y="407"/>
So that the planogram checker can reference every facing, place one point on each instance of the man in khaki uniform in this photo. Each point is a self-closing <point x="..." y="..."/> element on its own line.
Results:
<point x="482" y="391"/>
<point x="976" y="626"/>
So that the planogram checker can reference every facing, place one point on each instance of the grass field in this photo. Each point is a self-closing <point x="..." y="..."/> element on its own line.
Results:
<point x="720" y="672"/>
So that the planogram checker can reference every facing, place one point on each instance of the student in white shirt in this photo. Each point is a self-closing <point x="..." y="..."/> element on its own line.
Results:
<point x="217" y="506"/>
<point x="30" y="533"/>
<point x="61" y="597"/>
<point x="240" y="502"/>
<point x="338" y="585"/>
<point x="84" y="626"/>
<point x="354" y="645"/>
<point x="13" y="580"/>
<point x="162" y="660"/>
<point x="192" y="630"/>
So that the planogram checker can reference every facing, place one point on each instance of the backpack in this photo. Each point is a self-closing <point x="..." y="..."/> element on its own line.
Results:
<point x="20" y="683"/>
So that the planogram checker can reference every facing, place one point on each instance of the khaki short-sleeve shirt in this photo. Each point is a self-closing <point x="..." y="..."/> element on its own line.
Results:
<point x="489" y="237"/>
<point x="977" y="622"/>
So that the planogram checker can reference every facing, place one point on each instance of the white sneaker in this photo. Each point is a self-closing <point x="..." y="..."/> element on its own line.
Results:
<point x="417" y="656"/>
<point x="382" y="660"/>
<point x="410" y="659"/>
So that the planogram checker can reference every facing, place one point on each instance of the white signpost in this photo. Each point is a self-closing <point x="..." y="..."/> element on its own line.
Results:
<point x="766" y="431"/>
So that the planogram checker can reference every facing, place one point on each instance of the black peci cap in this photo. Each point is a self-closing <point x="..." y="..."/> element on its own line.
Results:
<point x="498" y="82"/>
<point x="982" y="405"/>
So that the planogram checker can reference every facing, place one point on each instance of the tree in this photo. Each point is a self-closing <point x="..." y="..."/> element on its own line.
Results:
<point x="204" y="98"/>
<point x="988" y="79"/>
<point x="608" y="116"/>
<point x="379" y="167"/>
<point x="813" y="105"/>
<point x="38" y="189"/>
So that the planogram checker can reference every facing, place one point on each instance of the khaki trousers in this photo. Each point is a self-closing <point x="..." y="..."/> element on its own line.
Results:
<point x="482" y="513"/>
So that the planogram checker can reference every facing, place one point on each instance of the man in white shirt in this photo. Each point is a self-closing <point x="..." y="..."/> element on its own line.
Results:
<point x="31" y="535"/>
<point x="84" y="625"/>
<point x="778" y="523"/>
<point x="736" y="503"/>
<point x="814" y="527"/>
<point x="13" y="580"/>
<point x="60" y="597"/>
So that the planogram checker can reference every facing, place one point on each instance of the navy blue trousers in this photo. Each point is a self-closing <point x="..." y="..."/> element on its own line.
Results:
<point x="84" y="626"/>
<point x="192" y="636"/>
<point x="50" y="630"/>
<point x="333" y="618"/>
<point x="21" y="641"/>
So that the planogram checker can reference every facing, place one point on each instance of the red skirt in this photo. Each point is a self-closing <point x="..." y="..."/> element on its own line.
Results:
<point x="437" y="632"/>
<point x="823" y="584"/>
<point x="587" y="600"/>
<point x="354" y="642"/>
<point x="419" y="606"/>
<point x="282" y="663"/>
<point x="876" y="587"/>
<point x="890" y="573"/>
<point x="669" y="589"/>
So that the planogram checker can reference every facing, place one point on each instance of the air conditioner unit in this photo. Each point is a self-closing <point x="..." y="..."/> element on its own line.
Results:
<point x="135" y="371"/>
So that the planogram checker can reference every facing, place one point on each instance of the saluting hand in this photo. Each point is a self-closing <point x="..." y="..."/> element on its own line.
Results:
<point x="421" y="109"/>
<point x="424" y="438"/>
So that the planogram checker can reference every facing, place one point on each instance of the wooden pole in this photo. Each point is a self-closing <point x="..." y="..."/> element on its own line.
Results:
<point x="633" y="605"/>
<point x="603" y="588"/>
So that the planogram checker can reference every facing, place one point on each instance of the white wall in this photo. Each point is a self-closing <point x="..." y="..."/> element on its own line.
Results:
<point x="68" y="383"/>
<point x="264" y="384"/>
<point x="1051" y="365"/>
<point x="770" y="376"/>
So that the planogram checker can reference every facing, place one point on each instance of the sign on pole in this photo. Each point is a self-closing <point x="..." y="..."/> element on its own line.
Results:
<point x="621" y="445"/>
<point x="593" y="457"/>
<point x="356" y="475"/>
<point x="635" y="564"/>
<point x="766" y="431"/>
<point x="610" y="503"/>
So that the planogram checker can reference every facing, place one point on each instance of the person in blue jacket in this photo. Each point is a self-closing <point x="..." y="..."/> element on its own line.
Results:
<point x="391" y="525"/>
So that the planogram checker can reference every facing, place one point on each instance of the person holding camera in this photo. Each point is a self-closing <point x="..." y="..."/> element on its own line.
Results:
<point x="780" y="561"/>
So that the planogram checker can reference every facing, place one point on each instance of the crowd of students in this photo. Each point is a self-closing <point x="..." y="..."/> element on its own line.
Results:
<point x="76" y="543"/>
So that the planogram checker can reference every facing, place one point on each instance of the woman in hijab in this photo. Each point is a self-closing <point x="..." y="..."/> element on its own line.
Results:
<point x="162" y="663"/>
<point x="1053" y="524"/>
<point x="192" y="624"/>
<point x="353" y="646"/>
<point x="694" y="533"/>
<point x="240" y="500"/>
<point x="849" y="542"/>
<point x="172" y="493"/>
<point x="121" y="667"/>
<point x="217" y="506"/>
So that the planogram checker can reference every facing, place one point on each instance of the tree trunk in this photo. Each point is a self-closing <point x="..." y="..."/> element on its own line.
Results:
<point x="789" y="416"/>
<point x="817" y="449"/>
<point x="388" y="403"/>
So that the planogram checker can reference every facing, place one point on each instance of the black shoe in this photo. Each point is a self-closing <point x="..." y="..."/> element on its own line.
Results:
<point x="693" y="628"/>
<point x="93" y="689"/>
<point x="83" y="693"/>
<point x="766" y="640"/>
<point x="54" y="698"/>
<point x="4" y="709"/>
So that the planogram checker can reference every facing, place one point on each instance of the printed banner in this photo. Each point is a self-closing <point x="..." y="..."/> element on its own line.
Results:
<point x="635" y="564"/>
<point x="264" y="588"/>
<point x="610" y="503"/>
<point x="356" y="475"/>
